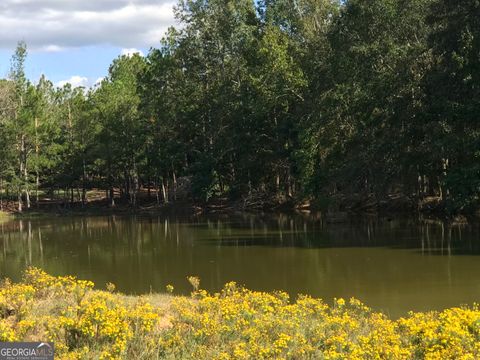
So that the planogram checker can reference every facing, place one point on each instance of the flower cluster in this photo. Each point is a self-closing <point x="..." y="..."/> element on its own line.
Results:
<point x="82" y="322"/>
<point x="235" y="323"/>
<point x="242" y="324"/>
<point x="98" y="319"/>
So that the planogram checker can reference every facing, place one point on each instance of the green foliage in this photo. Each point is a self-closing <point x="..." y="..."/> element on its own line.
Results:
<point x="278" y="99"/>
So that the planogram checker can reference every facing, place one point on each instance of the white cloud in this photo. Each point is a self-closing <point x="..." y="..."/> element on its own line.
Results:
<point x="99" y="80"/>
<point x="52" y="25"/>
<point x="75" y="81"/>
<point x="51" y="48"/>
<point x="131" y="51"/>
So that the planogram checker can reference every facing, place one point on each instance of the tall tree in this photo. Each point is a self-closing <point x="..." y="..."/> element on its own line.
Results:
<point x="453" y="93"/>
<point x="121" y="143"/>
<point x="21" y="123"/>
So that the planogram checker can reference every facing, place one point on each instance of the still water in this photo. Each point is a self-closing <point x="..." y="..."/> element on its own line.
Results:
<point x="392" y="265"/>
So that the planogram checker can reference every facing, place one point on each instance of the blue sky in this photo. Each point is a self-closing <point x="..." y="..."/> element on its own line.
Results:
<point x="76" y="40"/>
<point x="88" y="63"/>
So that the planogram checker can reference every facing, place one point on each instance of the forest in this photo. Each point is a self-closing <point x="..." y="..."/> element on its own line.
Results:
<point x="286" y="100"/>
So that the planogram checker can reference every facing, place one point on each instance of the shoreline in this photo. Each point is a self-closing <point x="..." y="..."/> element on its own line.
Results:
<point x="344" y="210"/>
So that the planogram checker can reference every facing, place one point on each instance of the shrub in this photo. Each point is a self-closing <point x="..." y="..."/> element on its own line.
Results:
<point x="235" y="323"/>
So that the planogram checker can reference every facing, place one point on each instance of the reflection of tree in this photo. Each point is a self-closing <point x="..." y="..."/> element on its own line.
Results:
<point x="270" y="251"/>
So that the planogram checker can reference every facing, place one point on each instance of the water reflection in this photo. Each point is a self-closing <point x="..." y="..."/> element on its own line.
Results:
<point x="393" y="265"/>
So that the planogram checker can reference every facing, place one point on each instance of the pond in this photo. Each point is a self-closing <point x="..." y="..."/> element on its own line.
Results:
<point x="392" y="265"/>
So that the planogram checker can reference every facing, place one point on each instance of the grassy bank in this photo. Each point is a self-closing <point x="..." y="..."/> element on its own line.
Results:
<point x="234" y="324"/>
<point x="5" y="216"/>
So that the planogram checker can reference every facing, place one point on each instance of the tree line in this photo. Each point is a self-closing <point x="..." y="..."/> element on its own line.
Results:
<point x="289" y="99"/>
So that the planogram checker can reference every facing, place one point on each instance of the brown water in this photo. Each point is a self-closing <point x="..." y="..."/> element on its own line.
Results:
<point x="393" y="266"/>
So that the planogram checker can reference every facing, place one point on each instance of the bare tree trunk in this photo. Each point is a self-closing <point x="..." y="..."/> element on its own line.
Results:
<point x="444" y="191"/>
<point x="157" y="191"/>
<point x="27" y="195"/>
<point x="84" y="185"/>
<point x="37" y="152"/>
<point x="25" y="171"/>
<point x="1" y="194"/>
<point x="20" y="148"/>
<point x="174" y="185"/>
<point x="440" y="190"/>
<point x="164" y="192"/>
<point x="20" y="204"/>
<point x="27" y="191"/>
<point x="21" y="171"/>
<point x="112" y="197"/>
<point x="135" y="188"/>
<point x="135" y="184"/>
<point x="37" y="185"/>
<point x="111" y="182"/>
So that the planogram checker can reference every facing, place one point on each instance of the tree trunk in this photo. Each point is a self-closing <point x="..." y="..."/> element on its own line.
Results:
<point x="157" y="191"/>
<point x="21" y="171"/>
<point x="148" y="188"/>
<point x="444" y="190"/>
<point x="135" y="189"/>
<point x="112" y="197"/>
<point x="135" y="183"/>
<point x="27" y="195"/>
<point x="20" y="205"/>
<point x="65" y="198"/>
<point x="289" y="183"/>
<point x="37" y="185"/>
<point x="1" y="194"/>
<point x="174" y="186"/>
<point x="37" y="152"/>
<point x="126" y="186"/>
<point x="440" y="190"/>
<point x="164" y="192"/>
<point x="27" y="191"/>
<point x="84" y="185"/>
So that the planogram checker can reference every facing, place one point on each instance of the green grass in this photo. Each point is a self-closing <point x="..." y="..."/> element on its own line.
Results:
<point x="4" y="216"/>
